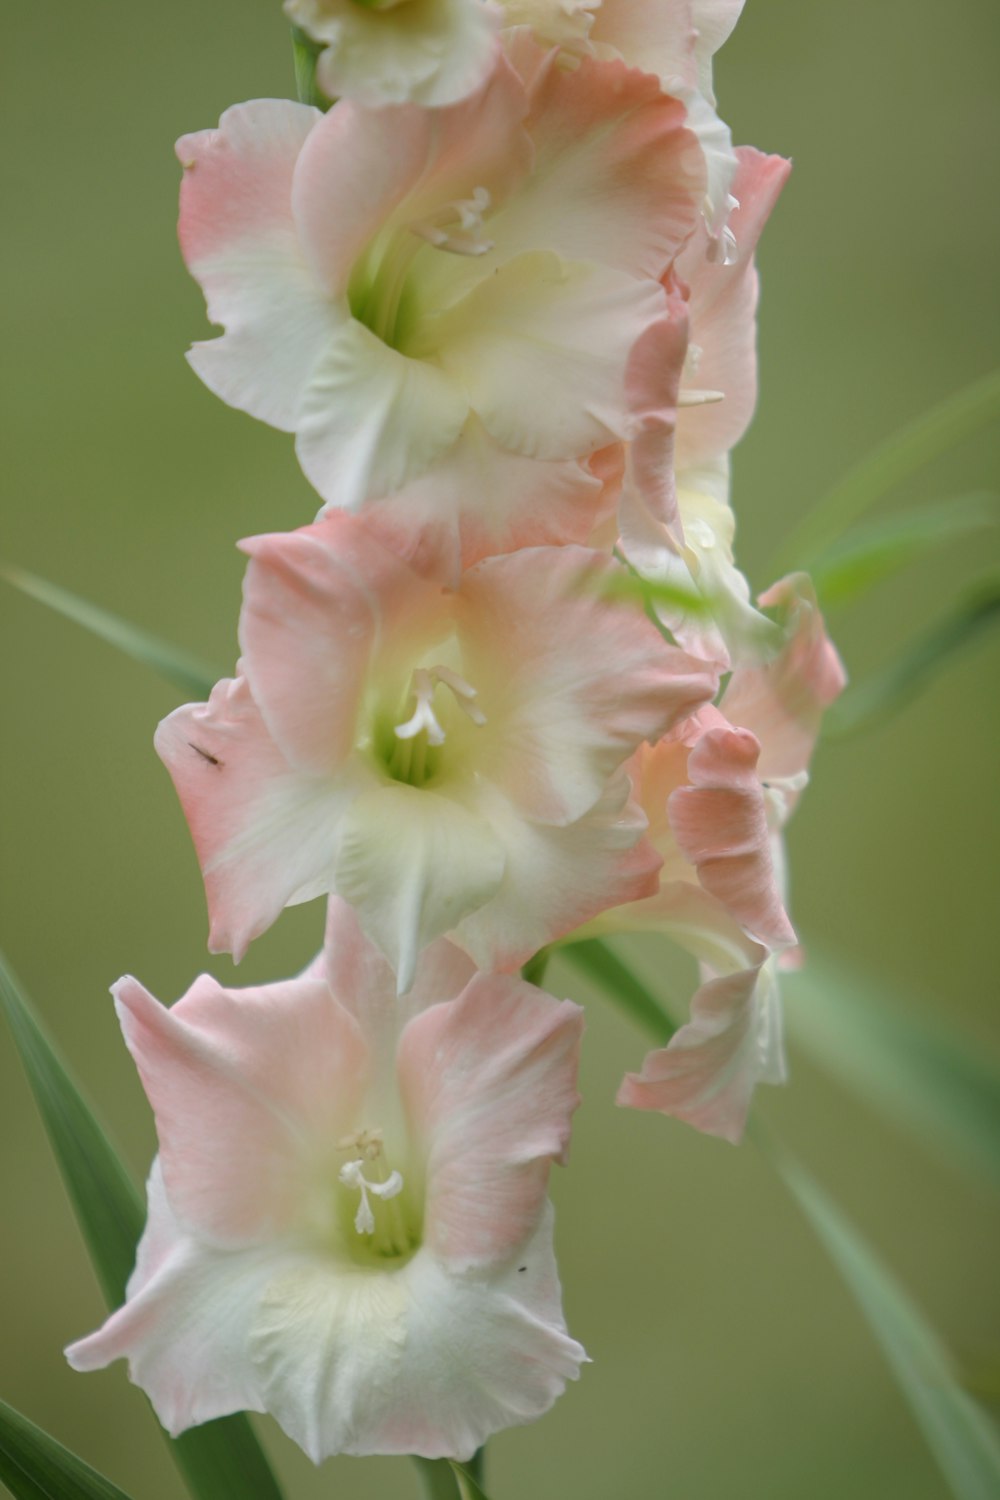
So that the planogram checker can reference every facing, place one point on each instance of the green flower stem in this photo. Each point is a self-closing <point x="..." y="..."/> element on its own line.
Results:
<point x="304" y="54"/>
<point x="437" y="1478"/>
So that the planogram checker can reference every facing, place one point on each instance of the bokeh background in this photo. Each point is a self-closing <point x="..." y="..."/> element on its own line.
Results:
<point x="728" y="1358"/>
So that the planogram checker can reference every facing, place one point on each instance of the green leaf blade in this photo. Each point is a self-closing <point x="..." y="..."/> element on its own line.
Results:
<point x="868" y="556"/>
<point x="915" y="1072"/>
<point x="870" y="703"/>
<point x="184" y="671"/>
<point x="595" y="959"/>
<point x="958" y="1432"/>
<point x="34" y="1466"/>
<point x="904" y="453"/>
<point x="469" y="1487"/>
<point x="221" y="1457"/>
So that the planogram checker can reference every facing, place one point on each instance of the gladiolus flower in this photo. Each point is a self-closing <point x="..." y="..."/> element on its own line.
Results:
<point x="400" y="51"/>
<point x="414" y="291"/>
<point x="348" y="1225"/>
<point x="447" y="760"/>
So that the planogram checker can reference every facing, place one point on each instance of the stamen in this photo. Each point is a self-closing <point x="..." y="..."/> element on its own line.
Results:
<point x="423" y="717"/>
<point x="352" y="1176"/>
<point x="699" y="398"/>
<point x="439" y="229"/>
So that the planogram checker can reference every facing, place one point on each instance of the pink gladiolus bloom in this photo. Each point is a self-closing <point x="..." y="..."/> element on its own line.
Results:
<point x="451" y="294"/>
<point x="680" y="531"/>
<point x="717" y="791"/>
<point x="400" y="51"/>
<point x="446" y="759"/>
<point x="348" y="1225"/>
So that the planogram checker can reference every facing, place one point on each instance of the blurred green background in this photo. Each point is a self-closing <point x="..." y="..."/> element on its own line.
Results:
<point x="728" y="1359"/>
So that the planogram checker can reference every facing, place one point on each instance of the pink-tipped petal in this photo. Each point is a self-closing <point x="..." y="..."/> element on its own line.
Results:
<point x="707" y="1073"/>
<point x="558" y="878"/>
<point x="240" y="1082"/>
<point x="560" y="720"/>
<point x="720" y="824"/>
<point x="317" y="603"/>
<point x="489" y="1083"/>
<point x="239" y="240"/>
<point x="723" y="305"/>
<point x="264" y="834"/>
<point x="783" y="701"/>
<point x="617" y="177"/>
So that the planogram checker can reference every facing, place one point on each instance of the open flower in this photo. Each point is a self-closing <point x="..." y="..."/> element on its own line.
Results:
<point x="445" y="759"/>
<point x="401" y="285"/>
<point x="400" y="51"/>
<point x="348" y="1225"/>
<point x="681" y="531"/>
<point x="717" y="792"/>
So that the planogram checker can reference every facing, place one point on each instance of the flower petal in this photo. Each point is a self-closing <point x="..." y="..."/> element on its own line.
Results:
<point x="720" y="824"/>
<point x="541" y="348"/>
<point x="264" y="834"/>
<point x="617" y="177"/>
<point x="489" y="1084"/>
<point x="784" y="700"/>
<point x="422" y="1362"/>
<point x="723" y="305"/>
<point x="245" y="1085"/>
<point x="371" y="418"/>
<point x="176" y="1294"/>
<point x="557" y="878"/>
<point x="317" y="605"/>
<point x="366" y="170"/>
<point x="426" y="51"/>
<point x="707" y="1073"/>
<point x="560" y="720"/>
<point x="413" y="864"/>
<point x="239" y="240"/>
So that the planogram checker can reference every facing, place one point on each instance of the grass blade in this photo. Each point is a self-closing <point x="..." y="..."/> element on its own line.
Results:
<point x="598" y="962"/>
<point x="868" y="556"/>
<point x="912" y="1070"/>
<point x="222" y="1457"/>
<point x="871" y="702"/>
<point x="34" y="1466"/>
<point x="184" y="671"/>
<point x="902" y="454"/>
<point x="958" y="1432"/>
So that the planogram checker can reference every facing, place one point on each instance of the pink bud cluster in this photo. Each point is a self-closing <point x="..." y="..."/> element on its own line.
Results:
<point x="503" y="294"/>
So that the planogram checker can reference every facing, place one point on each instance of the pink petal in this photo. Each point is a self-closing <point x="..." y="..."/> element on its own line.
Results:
<point x="317" y="603"/>
<point x="364" y="169"/>
<point x="707" y="1073"/>
<point x="720" y="824"/>
<point x="723" y="306"/>
<point x="558" y="878"/>
<point x="239" y="240"/>
<point x="783" y="702"/>
<point x="263" y="832"/>
<point x="617" y="178"/>
<point x="560" y="720"/>
<point x="489" y="1084"/>
<point x="241" y="1081"/>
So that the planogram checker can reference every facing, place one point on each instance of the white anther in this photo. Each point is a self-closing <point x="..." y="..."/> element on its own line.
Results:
<point x="423" y="717"/>
<point x="352" y="1175"/>
<point x="699" y="398"/>
<point x="464" y="215"/>
<point x="465" y="693"/>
